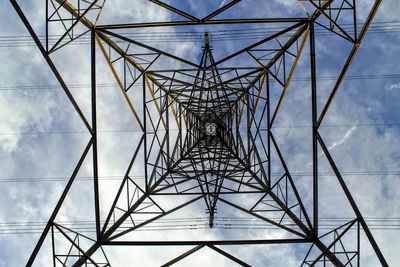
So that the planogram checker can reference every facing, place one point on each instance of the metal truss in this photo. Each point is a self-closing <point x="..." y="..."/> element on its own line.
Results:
<point x="206" y="131"/>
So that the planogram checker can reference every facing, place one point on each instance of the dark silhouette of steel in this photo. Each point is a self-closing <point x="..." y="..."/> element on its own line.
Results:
<point x="212" y="156"/>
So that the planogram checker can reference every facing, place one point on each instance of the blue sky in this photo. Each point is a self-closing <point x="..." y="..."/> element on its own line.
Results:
<point x="364" y="142"/>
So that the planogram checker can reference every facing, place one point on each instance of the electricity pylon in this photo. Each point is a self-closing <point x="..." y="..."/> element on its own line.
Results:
<point x="206" y="132"/>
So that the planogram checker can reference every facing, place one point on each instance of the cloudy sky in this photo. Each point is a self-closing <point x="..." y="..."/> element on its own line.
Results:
<point x="42" y="137"/>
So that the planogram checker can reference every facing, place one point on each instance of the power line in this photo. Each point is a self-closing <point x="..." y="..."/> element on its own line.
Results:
<point x="140" y="177"/>
<point x="173" y="129"/>
<point x="111" y="85"/>
<point x="198" y="223"/>
<point x="7" y="41"/>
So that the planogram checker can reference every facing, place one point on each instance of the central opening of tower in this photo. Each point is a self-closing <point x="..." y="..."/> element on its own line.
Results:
<point x="211" y="125"/>
<point x="214" y="152"/>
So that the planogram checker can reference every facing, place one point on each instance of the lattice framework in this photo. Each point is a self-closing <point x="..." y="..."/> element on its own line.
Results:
<point x="207" y="130"/>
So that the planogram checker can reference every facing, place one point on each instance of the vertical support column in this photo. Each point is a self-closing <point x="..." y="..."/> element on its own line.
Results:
<point x="94" y="134"/>
<point x="268" y="128"/>
<point x="314" y="128"/>
<point x="239" y="150"/>
<point x="248" y="162"/>
<point x="166" y="111"/>
<point x="355" y="20"/>
<point x="125" y="74"/>
<point x="47" y="26"/>
<point x="188" y="135"/>
<point x="180" y="130"/>
<point x="145" y="134"/>
<point x="358" y="243"/>
<point x="53" y="246"/>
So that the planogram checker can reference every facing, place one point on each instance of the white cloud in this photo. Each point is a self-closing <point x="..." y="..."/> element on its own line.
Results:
<point x="346" y="136"/>
<point x="394" y="87"/>
<point x="37" y="112"/>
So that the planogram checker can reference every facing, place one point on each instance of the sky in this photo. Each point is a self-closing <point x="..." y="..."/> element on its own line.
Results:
<point x="42" y="138"/>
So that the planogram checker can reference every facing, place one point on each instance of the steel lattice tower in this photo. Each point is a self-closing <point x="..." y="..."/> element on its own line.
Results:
<point x="206" y="131"/>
